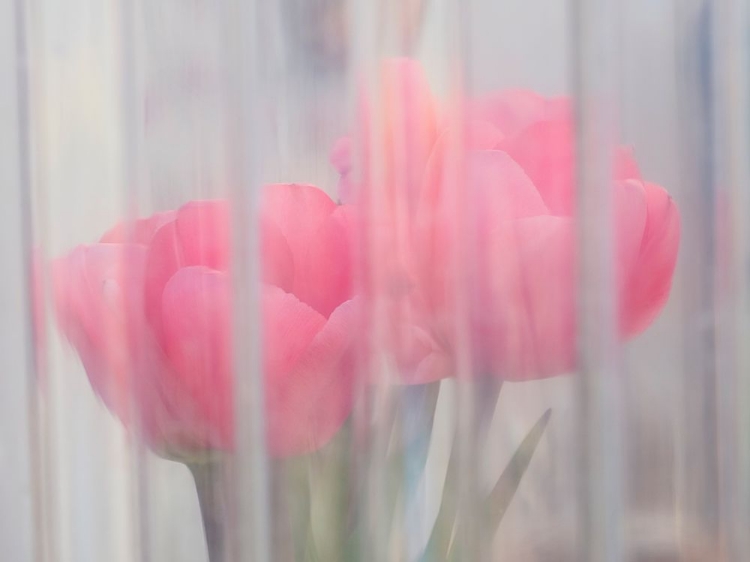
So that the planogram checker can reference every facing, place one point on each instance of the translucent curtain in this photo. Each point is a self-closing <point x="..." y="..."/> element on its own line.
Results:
<point x="410" y="280"/>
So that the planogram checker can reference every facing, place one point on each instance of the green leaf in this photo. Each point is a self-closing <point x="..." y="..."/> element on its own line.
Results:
<point x="499" y="499"/>
<point x="418" y="405"/>
<point x="440" y="541"/>
<point x="411" y="432"/>
<point x="440" y="545"/>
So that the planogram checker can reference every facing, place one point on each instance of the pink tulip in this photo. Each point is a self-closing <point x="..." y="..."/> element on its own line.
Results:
<point x="149" y="310"/>
<point x="403" y="138"/>
<point x="517" y="265"/>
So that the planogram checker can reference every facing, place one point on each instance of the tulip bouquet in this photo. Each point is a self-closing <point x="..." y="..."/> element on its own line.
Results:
<point x="149" y="306"/>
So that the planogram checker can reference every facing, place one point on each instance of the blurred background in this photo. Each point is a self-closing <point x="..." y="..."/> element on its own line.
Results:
<point x="116" y="110"/>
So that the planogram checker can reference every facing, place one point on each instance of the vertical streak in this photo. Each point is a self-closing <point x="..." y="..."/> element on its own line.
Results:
<point x="374" y="407"/>
<point x="732" y="177"/>
<point x="472" y="543"/>
<point x="594" y="69"/>
<point x="697" y="472"/>
<point x="251" y="532"/>
<point x="38" y="543"/>
<point x="43" y="443"/>
<point x="133" y="182"/>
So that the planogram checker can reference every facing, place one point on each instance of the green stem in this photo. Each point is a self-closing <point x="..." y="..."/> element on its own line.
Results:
<point x="211" y="484"/>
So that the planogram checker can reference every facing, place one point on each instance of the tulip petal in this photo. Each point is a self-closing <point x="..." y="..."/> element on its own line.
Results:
<point x="197" y="324"/>
<point x="546" y="248"/>
<point x="278" y="267"/>
<point x="523" y="313"/>
<point x="298" y="210"/>
<point x="545" y="151"/>
<point x="324" y="277"/>
<point x="289" y="327"/>
<point x="651" y="281"/>
<point x="421" y="358"/>
<point x="309" y="402"/>
<point x="197" y="343"/>
<point x="407" y="131"/>
<point x="96" y="290"/>
<point x="499" y="189"/>
<point x="319" y="237"/>
<point x="407" y="96"/>
<point x="410" y="131"/>
<point x="513" y="110"/>
<point x="163" y="260"/>
<point x="200" y="235"/>
<point x="630" y="212"/>
<point x="204" y="233"/>
<point x="480" y="136"/>
<point x="435" y="218"/>
<point x="136" y="232"/>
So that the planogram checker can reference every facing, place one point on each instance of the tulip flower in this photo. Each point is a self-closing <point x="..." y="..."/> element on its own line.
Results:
<point x="149" y="310"/>
<point x="512" y="168"/>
